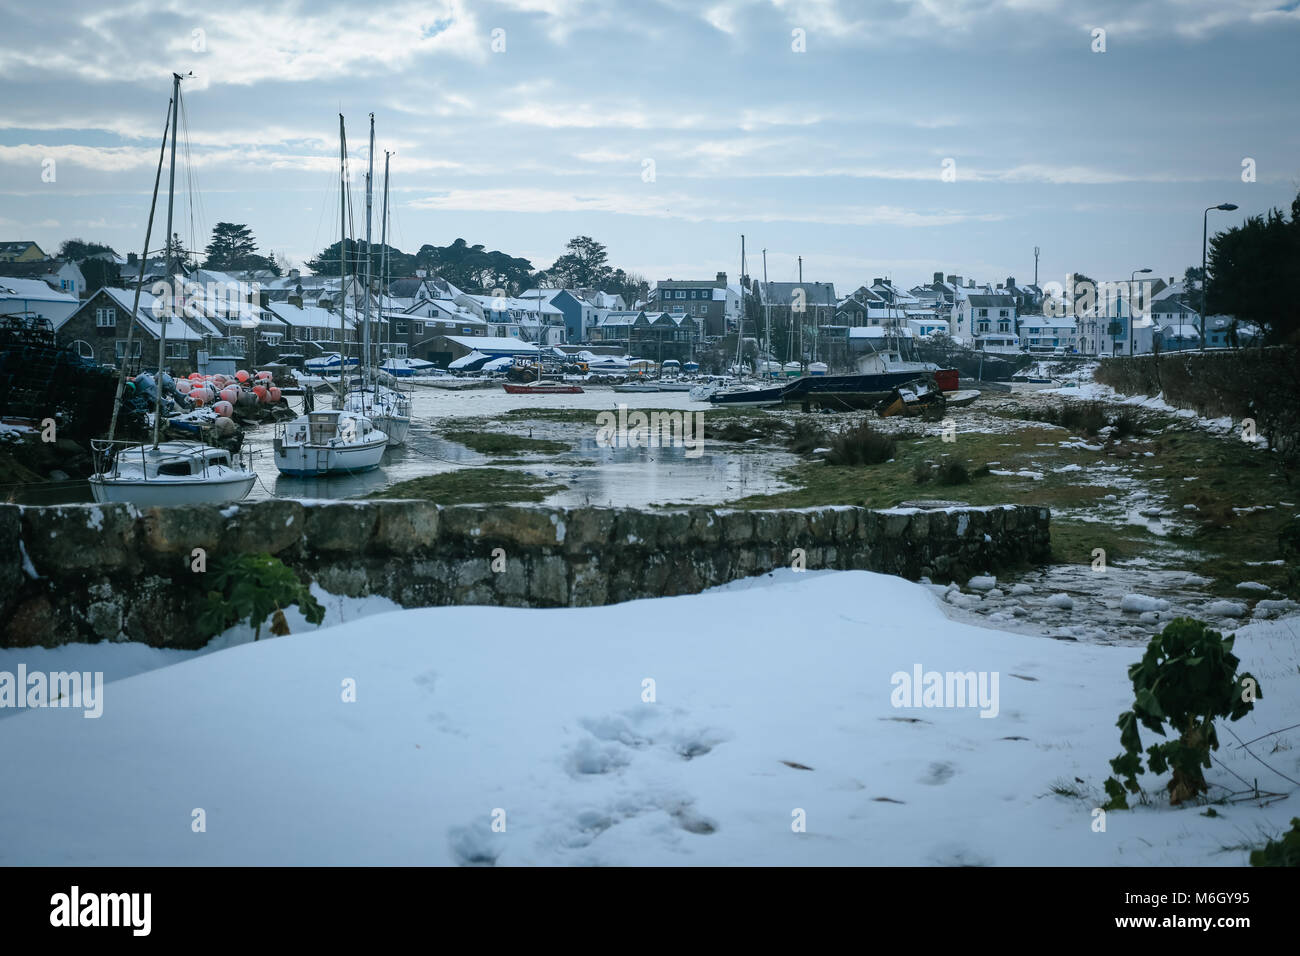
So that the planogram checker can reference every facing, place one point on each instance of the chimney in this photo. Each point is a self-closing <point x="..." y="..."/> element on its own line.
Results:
<point x="1011" y="282"/>
<point x="294" y="274"/>
<point x="876" y="281"/>
<point x="296" y="300"/>
<point x="132" y="259"/>
<point x="721" y="279"/>
<point x="954" y="280"/>
<point x="938" y="277"/>
<point x="970" y="283"/>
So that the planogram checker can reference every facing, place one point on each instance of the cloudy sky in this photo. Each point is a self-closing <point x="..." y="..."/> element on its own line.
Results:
<point x="667" y="128"/>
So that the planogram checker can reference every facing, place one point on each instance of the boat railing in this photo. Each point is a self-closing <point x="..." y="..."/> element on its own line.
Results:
<point x="109" y="455"/>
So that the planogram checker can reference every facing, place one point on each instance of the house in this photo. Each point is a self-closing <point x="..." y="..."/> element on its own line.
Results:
<point x="21" y="296"/>
<point x="579" y="314"/>
<point x="21" y="252"/>
<point x="799" y="305"/>
<point x="617" y="327"/>
<point x="664" y="335"/>
<point x="98" y="329"/>
<point x="985" y="322"/>
<point x="713" y="303"/>
<point x="531" y="320"/>
<point x="1047" y="333"/>
<point x="414" y="331"/>
<point x="310" y="330"/>
<point x="1177" y="337"/>
<point x="64" y="276"/>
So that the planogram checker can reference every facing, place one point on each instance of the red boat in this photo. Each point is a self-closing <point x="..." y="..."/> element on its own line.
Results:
<point x="542" y="388"/>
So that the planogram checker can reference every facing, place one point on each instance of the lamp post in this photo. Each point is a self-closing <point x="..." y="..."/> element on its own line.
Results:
<point x="1132" y="276"/>
<point x="1226" y="207"/>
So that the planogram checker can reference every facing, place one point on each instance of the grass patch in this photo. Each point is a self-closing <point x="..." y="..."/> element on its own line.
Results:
<point x="474" y="486"/>
<point x="860" y="444"/>
<point x="501" y="443"/>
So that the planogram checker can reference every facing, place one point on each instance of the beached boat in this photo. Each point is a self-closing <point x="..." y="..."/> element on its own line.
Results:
<point x="542" y="388"/>
<point x="332" y="442"/>
<point x="639" y="387"/>
<point x="168" y="473"/>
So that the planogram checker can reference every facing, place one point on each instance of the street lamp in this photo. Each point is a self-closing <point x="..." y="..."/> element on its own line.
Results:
<point x="1226" y="207"/>
<point x="1132" y="276"/>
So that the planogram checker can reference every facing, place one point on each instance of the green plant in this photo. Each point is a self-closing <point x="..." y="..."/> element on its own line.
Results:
<point x="953" y="472"/>
<point x="251" y="586"/>
<point x="1283" y="852"/>
<point x="1186" y="679"/>
<point x="922" y="472"/>
<point x="804" y="437"/>
<point x="860" y="445"/>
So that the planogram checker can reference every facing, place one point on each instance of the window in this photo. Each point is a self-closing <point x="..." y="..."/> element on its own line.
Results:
<point x="466" y="331"/>
<point x="83" y="349"/>
<point x="983" y="313"/>
<point x="418" y="328"/>
<point x="136" y="346"/>
<point x="106" y="318"/>
<point x="178" y="350"/>
<point x="1002" y="314"/>
<point x="681" y="293"/>
<point x="399" y="328"/>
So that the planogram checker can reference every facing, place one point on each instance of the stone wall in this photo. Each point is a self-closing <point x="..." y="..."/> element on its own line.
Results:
<point x="111" y="572"/>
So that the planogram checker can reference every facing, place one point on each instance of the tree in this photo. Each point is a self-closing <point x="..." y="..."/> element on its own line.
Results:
<point x="1251" y="268"/>
<point x="583" y="265"/>
<point x="233" y="248"/>
<point x="76" y="250"/>
<point x="100" y="273"/>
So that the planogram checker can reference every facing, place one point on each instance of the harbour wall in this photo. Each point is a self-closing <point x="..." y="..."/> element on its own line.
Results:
<point x="87" y="573"/>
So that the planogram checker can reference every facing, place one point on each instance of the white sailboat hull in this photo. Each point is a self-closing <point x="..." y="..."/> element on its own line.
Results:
<point x="312" y="461"/>
<point x="394" y="426"/>
<point x="160" y="492"/>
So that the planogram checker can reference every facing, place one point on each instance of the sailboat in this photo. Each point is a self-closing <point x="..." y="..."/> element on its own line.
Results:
<point x="338" y="440"/>
<point x="173" y="472"/>
<point x="376" y="395"/>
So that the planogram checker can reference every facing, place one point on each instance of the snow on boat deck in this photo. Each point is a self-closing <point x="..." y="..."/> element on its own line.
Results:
<point x="773" y="696"/>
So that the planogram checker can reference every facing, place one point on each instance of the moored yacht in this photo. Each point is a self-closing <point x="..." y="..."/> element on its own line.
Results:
<point x="332" y="442"/>
<point x="168" y="473"/>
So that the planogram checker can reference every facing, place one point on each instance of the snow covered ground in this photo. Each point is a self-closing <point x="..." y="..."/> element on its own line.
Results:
<point x="773" y="702"/>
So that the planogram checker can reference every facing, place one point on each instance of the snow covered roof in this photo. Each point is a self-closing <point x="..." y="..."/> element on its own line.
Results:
<point x="311" y="316"/>
<point x="33" y="290"/>
<point x="147" y="316"/>
<point x="492" y="344"/>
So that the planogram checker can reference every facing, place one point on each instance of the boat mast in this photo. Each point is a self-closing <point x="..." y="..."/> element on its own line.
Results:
<point x="383" y="255"/>
<point x="740" y="319"/>
<point x="343" y="258"/>
<point x="767" y="348"/>
<point x="139" y="284"/>
<point x="166" y="316"/>
<point x="370" y="175"/>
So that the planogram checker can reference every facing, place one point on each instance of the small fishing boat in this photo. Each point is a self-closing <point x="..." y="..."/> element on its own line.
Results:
<point x="753" y="395"/>
<point x="639" y="387"/>
<point x="332" y="442"/>
<point x="167" y="473"/>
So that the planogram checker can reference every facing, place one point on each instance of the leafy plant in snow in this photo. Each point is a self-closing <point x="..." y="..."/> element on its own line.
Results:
<point x="248" y="587"/>
<point x="1187" y="678"/>
<point x="1283" y="852"/>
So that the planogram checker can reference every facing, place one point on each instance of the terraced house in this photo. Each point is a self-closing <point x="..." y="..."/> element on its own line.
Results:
<point x="714" y="305"/>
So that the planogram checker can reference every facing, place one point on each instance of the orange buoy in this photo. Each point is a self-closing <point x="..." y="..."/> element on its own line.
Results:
<point x="241" y="375"/>
<point x="230" y="393"/>
<point x="275" y="393"/>
<point x="260" y="392"/>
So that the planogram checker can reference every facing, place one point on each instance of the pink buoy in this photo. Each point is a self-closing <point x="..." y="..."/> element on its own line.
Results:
<point x="275" y="393"/>
<point x="241" y="375"/>
<point x="184" y="385"/>
<point x="260" y="392"/>
<point x="264" y="376"/>
<point x="196" y="376"/>
<point x="224" y="409"/>
<point x="200" y="396"/>
<point x="230" y="394"/>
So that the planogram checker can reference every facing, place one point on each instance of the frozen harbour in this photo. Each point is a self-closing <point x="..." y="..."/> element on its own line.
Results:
<point x="484" y="735"/>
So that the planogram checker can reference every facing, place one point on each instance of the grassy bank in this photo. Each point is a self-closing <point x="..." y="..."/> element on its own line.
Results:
<point x="474" y="486"/>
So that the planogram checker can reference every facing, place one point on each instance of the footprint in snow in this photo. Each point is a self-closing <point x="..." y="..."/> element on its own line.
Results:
<point x="939" y="773"/>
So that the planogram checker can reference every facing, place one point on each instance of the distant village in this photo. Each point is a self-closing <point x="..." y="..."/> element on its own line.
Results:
<point x="256" y="317"/>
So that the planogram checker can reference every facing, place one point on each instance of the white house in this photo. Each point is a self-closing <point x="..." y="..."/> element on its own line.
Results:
<point x="986" y="321"/>
<point x="1039" y="333"/>
<point x="18" y="296"/>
